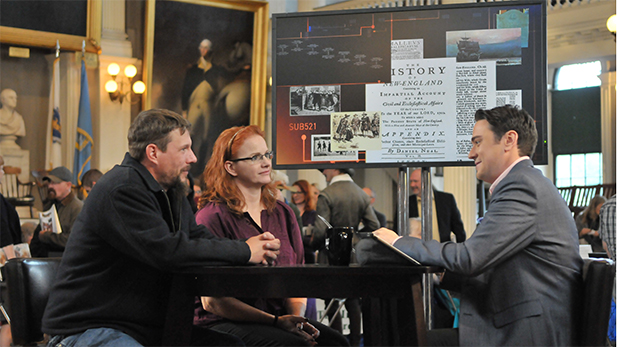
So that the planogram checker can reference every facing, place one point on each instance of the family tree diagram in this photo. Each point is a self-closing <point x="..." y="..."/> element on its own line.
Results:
<point x="343" y="56"/>
<point x="339" y="48"/>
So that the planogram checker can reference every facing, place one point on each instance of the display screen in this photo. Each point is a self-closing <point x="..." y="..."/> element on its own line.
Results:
<point x="400" y="87"/>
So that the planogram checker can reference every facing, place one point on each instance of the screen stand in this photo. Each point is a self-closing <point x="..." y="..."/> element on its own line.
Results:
<point x="403" y="201"/>
<point x="427" y="233"/>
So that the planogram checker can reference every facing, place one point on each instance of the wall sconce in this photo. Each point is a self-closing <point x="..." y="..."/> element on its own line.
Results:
<point x="611" y="25"/>
<point x="116" y="86"/>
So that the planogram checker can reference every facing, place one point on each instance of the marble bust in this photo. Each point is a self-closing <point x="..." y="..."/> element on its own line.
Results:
<point x="11" y="122"/>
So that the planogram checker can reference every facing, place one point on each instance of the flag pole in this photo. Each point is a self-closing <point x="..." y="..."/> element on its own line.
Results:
<point x="53" y="151"/>
<point x="83" y="140"/>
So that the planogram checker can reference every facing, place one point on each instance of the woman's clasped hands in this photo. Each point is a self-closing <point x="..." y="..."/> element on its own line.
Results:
<point x="300" y="326"/>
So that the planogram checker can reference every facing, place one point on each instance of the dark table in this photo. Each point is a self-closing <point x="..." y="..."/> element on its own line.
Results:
<point x="387" y="282"/>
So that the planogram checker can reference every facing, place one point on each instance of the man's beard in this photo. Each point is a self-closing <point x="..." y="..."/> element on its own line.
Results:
<point x="51" y="193"/>
<point x="177" y="184"/>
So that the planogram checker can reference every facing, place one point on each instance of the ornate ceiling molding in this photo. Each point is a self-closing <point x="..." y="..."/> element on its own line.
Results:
<point x="579" y="22"/>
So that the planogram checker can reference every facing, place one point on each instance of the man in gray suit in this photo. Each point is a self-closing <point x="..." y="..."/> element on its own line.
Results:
<point x="519" y="274"/>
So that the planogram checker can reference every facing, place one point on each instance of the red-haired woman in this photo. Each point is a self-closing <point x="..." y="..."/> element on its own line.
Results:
<point x="306" y="202"/>
<point x="240" y="202"/>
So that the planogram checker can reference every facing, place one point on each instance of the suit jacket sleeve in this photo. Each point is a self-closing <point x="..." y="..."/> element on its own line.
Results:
<point x="507" y="228"/>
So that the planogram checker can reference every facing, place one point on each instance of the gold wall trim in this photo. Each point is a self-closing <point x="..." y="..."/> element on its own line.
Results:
<point x="46" y="39"/>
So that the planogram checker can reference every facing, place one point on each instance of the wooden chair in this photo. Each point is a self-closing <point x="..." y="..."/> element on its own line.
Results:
<point x="579" y="197"/>
<point x="16" y="192"/>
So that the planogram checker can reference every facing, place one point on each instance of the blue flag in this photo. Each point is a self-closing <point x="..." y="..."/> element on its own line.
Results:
<point x="83" y="141"/>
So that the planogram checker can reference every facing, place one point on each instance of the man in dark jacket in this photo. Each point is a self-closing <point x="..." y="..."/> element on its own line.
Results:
<point x="136" y="229"/>
<point x="445" y="212"/>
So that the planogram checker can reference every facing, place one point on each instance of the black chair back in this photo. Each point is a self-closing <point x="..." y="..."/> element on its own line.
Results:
<point x="28" y="283"/>
<point x="598" y="279"/>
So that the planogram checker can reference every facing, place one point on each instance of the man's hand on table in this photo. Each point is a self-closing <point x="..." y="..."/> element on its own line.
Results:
<point x="264" y="248"/>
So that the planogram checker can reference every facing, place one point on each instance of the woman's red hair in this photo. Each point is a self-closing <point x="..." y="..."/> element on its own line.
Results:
<point x="220" y="186"/>
<point x="310" y="201"/>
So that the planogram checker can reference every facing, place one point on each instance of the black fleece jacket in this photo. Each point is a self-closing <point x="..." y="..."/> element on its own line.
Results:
<point x="128" y="240"/>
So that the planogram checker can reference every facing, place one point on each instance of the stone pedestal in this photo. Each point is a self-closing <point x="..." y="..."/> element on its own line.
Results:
<point x="17" y="157"/>
<point x="8" y="141"/>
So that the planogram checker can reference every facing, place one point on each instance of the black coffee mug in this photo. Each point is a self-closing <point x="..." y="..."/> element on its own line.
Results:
<point x="338" y="244"/>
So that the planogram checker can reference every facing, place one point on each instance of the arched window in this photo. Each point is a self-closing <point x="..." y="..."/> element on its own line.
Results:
<point x="578" y="75"/>
<point x="580" y="169"/>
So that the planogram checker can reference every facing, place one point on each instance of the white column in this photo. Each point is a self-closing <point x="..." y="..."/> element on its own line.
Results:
<point x="608" y="126"/>
<point x="114" y="13"/>
<point x="461" y="182"/>
<point x="114" y="39"/>
<point x="114" y="119"/>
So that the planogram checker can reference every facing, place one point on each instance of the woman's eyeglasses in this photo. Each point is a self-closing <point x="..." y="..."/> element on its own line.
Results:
<point x="256" y="157"/>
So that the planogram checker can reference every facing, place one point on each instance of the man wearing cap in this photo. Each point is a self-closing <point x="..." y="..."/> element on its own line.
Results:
<point x="343" y="204"/>
<point x="59" y="193"/>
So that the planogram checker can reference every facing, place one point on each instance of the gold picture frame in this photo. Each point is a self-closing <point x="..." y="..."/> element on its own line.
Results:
<point x="258" y="83"/>
<point x="45" y="39"/>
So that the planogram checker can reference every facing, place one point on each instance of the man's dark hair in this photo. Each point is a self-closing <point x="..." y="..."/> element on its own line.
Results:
<point x="350" y="172"/>
<point x="154" y="126"/>
<point x="505" y="118"/>
<point x="91" y="176"/>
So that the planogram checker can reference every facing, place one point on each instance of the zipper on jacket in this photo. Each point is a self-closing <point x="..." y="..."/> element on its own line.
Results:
<point x="171" y="214"/>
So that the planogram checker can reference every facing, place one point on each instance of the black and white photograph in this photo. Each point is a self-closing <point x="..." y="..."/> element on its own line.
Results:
<point x="356" y="130"/>
<point x="314" y="100"/>
<point x="322" y="150"/>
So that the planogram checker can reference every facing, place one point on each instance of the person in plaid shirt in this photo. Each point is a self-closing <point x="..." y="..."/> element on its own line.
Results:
<point x="607" y="234"/>
<point x="607" y="226"/>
